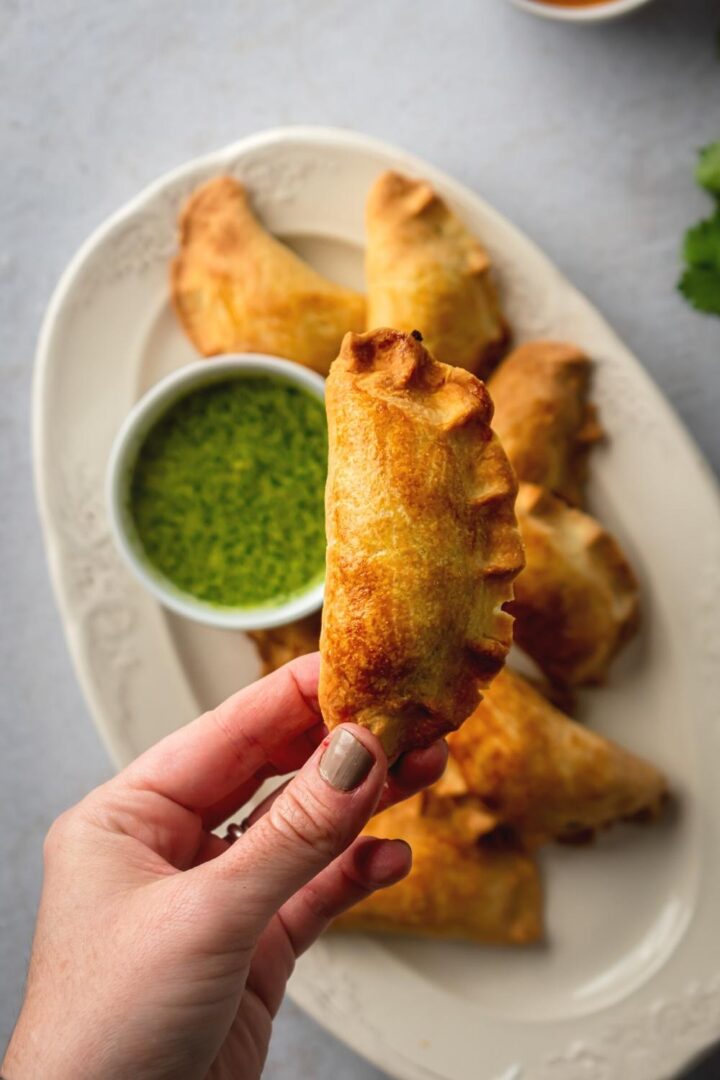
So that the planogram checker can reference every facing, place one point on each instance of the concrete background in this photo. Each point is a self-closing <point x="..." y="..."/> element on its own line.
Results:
<point x="585" y="137"/>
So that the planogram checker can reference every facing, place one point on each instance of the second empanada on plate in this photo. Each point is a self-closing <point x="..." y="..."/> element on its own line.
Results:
<point x="426" y="272"/>
<point x="535" y="769"/>
<point x="238" y="289"/>
<point x="576" y="602"/>
<point x="543" y="417"/>
<point x="454" y="890"/>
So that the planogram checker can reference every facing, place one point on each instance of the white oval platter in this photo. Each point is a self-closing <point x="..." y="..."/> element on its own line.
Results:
<point x="627" y="986"/>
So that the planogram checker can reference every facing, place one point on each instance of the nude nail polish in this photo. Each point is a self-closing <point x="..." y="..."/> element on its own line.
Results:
<point x="346" y="762"/>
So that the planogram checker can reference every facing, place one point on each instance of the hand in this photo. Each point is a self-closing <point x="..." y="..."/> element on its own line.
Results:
<point x="162" y="950"/>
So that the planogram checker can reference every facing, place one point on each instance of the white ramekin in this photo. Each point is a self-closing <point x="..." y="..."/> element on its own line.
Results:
<point x="127" y="442"/>
<point x="613" y="9"/>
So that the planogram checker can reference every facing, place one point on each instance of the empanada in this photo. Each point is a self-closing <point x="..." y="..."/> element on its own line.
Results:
<point x="423" y="544"/>
<point x="284" y="643"/>
<point x="454" y="890"/>
<point x="576" y="602"/>
<point x="543" y="417"/>
<point x="537" y="770"/>
<point x="426" y="272"/>
<point x="236" y="288"/>
<point x="450" y="799"/>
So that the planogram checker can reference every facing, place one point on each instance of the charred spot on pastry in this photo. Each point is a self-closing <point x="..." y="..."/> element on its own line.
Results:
<point x="399" y="356"/>
<point x="577" y="835"/>
<point x="502" y="838"/>
<point x="417" y="335"/>
<point x="359" y="349"/>
<point x="648" y="815"/>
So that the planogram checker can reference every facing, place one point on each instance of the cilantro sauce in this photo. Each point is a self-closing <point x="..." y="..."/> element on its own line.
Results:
<point x="226" y="493"/>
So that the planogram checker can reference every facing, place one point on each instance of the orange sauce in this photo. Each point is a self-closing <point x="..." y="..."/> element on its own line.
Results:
<point x="571" y="3"/>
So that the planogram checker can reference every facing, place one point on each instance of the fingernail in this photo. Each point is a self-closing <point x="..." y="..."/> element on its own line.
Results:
<point x="346" y="762"/>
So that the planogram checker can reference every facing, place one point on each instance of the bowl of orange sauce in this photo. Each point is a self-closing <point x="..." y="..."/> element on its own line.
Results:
<point x="580" y="10"/>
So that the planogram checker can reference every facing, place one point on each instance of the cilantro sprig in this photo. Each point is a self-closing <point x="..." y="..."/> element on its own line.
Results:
<point x="700" y="280"/>
<point x="707" y="170"/>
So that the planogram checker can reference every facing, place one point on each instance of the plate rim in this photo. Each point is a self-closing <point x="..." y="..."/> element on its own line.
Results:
<point x="219" y="158"/>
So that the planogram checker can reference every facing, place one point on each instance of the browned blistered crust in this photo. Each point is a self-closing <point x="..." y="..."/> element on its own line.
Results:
<point x="543" y="417"/>
<point x="577" y="600"/>
<point x="237" y="289"/>
<point x="426" y="272"/>
<point x="520" y="774"/>
<point x="423" y="544"/>
<point x="534" y="768"/>
<point x="455" y="889"/>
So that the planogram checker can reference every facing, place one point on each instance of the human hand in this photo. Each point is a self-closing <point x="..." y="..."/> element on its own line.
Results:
<point x="162" y="950"/>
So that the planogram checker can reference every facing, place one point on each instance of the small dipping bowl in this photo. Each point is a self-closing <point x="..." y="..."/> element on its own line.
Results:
<point x="123" y="456"/>
<point x="590" y="13"/>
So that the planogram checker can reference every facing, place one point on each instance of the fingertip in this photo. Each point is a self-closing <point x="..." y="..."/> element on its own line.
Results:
<point x="419" y="768"/>
<point x="369" y="741"/>
<point x="349" y="756"/>
<point x="308" y="665"/>
<point x="378" y="863"/>
<point x="444" y="751"/>
<point x="345" y="762"/>
<point x="304" y="672"/>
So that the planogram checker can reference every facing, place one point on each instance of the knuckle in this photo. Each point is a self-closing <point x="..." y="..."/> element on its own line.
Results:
<point x="60" y="833"/>
<point x="319" y="909"/>
<point x="354" y="880"/>
<point x="302" y="820"/>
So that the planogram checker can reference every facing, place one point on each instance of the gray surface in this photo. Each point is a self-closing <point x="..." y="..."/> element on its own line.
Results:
<point x="585" y="137"/>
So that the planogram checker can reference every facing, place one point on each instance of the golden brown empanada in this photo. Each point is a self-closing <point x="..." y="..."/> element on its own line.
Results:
<point x="426" y="272"/>
<point x="536" y="769"/>
<point x="236" y="288"/>
<point x="543" y="417"/>
<point x="454" y="890"/>
<point x="465" y="814"/>
<point x="422" y="542"/>
<point x="576" y="602"/>
<point x="281" y="644"/>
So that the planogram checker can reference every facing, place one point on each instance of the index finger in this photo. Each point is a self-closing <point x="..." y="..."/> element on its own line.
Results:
<point x="202" y="763"/>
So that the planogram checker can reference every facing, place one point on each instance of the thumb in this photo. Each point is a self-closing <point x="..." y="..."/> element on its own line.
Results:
<point x="308" y="825"/>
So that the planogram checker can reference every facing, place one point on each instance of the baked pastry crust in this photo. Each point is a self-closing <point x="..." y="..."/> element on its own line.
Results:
<point x="543" y="417"/>
<point x="426" y="272"/>
<point x="454" y="890"/>
<point x="534" y="768"/>
<point x="577" y="601"/>
<point x="236" y="288"/>
<point x="423" y="544"/>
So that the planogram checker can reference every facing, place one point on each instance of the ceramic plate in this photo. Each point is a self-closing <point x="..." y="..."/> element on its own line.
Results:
<point x="627" y="985"/>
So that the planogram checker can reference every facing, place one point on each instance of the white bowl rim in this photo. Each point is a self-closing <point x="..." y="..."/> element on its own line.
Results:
<point x="612" y="9"/>
<point x="146" y="411"/>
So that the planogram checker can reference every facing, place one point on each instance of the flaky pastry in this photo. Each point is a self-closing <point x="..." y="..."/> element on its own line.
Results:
<point x="426" y="272"/>
<point x="543" y="417"/>
<point x="534" y="768"/>
<point x="454" y="890"/>
<point x="576" y="602"/>
<point x="422" y="542"/>
<point x="236" y="288"/>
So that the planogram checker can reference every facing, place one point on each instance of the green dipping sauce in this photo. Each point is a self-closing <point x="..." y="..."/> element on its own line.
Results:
<point x="227" y="492"/>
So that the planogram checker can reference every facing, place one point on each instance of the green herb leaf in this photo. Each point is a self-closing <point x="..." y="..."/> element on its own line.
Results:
<point x="700" y="285"/>
<point x="707" y="170"/>
<point x="702" y="243"/>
